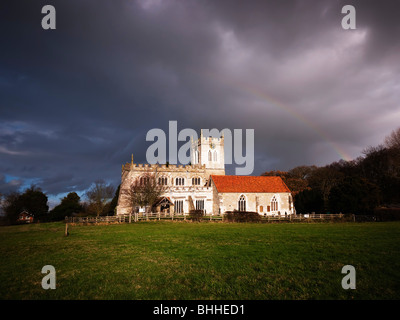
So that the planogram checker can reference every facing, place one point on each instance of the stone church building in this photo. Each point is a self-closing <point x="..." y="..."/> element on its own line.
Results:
<point x="203" y="185"/>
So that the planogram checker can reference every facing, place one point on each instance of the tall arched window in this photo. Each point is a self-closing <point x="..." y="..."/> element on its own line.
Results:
<point x="274" y="204"/>
<point x="209" y="156"/>
<point x="215" y="156"/>
<point x="144" y="181"/>
<point x="242" y="203"/>
<point x="163" y="181"/>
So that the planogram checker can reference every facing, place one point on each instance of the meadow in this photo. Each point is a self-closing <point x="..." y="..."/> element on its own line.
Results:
<point x="208" y="260"/>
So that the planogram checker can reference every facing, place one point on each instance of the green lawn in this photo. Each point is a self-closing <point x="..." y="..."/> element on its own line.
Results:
<point x="178" y="260"/>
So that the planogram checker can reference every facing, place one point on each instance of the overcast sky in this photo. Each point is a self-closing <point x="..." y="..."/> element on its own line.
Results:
<point x="77" y="101"/>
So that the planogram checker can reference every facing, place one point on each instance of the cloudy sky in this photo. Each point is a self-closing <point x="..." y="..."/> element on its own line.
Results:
<point x="77" y="101"/>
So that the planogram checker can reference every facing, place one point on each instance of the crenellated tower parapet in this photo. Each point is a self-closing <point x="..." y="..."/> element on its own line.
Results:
<point x="162" y="167"/>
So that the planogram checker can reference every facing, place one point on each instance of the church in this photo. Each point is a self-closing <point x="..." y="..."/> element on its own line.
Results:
<point x="203" y="185"/>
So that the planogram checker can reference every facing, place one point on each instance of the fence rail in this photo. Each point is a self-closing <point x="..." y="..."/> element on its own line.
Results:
<point x="136" y="217"/>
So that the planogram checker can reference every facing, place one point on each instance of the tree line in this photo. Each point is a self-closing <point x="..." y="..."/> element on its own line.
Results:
<point x="100" y="199"/>
<point x="359" y="186"/>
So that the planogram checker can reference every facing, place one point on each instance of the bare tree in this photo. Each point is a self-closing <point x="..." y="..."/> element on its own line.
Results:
<point x="144" y="190"/>
<point x="99" y="194"/>
<point x="393" y="140"/>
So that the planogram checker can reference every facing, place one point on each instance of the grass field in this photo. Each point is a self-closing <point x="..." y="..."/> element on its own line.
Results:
<point x="178" y="260"/>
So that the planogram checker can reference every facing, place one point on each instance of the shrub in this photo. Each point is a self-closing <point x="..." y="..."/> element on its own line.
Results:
<point x="387" y="214"/>
<point x="242" y="216"/>
<point x="196" y="215"/>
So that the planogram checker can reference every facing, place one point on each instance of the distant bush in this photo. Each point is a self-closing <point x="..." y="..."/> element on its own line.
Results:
<point x="196" y="215"/>
<point x="387" y="214"/>
<point x="242" y="216"/>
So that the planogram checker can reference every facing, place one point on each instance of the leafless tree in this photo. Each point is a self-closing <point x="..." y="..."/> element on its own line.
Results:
<point x="144" y="190"/>
<point x="393" y="140"/>
<point x="99" y="194"/>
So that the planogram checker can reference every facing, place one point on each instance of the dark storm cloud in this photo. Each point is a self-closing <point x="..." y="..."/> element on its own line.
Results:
<point x="7" y="186"/>
<point x="77" y="101"/>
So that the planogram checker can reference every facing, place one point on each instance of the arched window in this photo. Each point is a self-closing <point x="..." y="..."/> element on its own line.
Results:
<point x="179" y="181"/>
<point x="215" y="156"/>
<point x="242" y="203"/>
<point x="274" y="204"/>
<point x="195" y="181"/>
<point x="209" y="156"/>
<point x="162" y="181"/>
<point x="144" y="181"/>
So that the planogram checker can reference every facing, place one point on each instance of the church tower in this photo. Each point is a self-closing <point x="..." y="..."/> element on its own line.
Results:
<point x="209" y="151"/>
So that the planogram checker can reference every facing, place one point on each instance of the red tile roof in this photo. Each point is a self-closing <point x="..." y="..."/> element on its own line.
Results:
<point x="247" y="184"/>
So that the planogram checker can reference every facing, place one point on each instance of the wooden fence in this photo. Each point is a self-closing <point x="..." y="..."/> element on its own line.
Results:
<point x="136" y="217"/>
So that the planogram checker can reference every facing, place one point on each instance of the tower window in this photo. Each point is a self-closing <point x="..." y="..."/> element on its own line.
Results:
<point x="179" y="181"/>
<point x="195" y="181"/>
